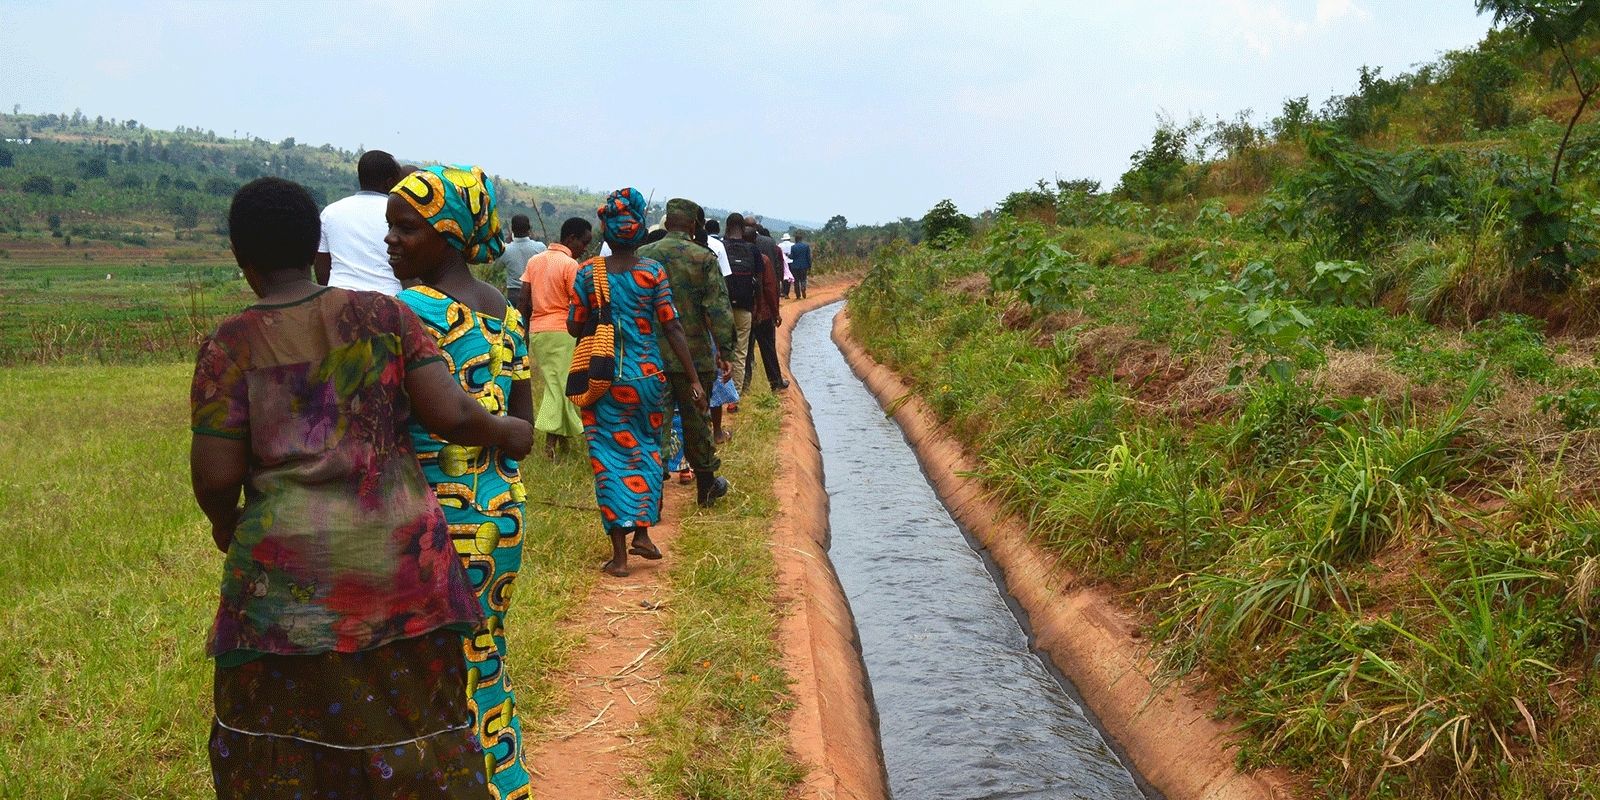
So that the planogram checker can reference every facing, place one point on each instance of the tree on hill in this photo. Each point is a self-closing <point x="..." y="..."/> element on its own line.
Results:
<point x="1556" y="25"/>
<point x="945" y="224"/>
<point x="835" y="224"/>
<point x="1157" y="170"/>
<point x="92" y="167"/>
<point x="39" y="184"/>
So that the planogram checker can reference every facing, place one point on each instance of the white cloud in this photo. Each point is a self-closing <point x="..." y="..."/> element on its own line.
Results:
<point x="1266" y="26"/>
<point x="1330" y="11"/>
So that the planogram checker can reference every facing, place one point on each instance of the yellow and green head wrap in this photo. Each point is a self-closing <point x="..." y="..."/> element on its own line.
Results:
<point x="459" y="202"/>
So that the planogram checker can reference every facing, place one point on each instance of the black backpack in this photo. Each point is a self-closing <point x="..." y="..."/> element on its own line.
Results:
<point x="745" y="261"/>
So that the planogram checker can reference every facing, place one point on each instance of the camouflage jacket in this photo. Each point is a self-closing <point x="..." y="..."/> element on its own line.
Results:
<point x="700" y="296"/>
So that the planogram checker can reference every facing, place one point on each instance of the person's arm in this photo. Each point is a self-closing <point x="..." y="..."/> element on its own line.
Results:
<point x="521" y="403"/>
<point x="769" y="285"/>
<point x="716" y="308"/>
<point x="577" y="303"/>
<point x="322" y="265"/>
<point x="525" y="300"/>
<point x="219" y="452"/>
<point x="447" y="411"/>
<point x="216" y="474"/>
<point x="680" y="348"/>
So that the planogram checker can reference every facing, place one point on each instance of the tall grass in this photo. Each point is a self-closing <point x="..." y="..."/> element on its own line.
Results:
<point x="1381" y="562"/>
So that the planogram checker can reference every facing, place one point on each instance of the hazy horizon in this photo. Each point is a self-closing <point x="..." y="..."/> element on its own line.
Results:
<point x="871" y="112"/>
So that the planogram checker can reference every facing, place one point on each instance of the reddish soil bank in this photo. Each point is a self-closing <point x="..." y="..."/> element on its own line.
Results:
<point x="832" y="729"/>
<point x="1168" y="732"/>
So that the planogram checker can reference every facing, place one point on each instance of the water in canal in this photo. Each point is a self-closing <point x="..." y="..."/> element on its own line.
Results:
<point x="966" y="709"/>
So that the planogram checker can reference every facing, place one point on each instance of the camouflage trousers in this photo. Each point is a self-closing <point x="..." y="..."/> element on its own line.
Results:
<point x="698" y="447"/>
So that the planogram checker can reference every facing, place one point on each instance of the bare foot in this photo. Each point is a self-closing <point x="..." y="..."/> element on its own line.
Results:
<point x="615" y="569"/>
<point x="642" y="546"/>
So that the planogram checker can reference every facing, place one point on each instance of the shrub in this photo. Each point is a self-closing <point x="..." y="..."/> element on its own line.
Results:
<point x="1157" y="172"/>
<point x="945" y="225"/>
<point x="39" y="184"/>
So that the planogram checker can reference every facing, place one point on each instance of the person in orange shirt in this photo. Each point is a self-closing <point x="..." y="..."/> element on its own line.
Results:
<point x="546" y="294"/>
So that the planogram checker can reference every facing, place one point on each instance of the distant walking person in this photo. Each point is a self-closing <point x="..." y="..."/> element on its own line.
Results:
<point x="547" y="293"/>
<point x="764" y="319"/>
<point x="714" y="244"/>
<point x="744" y="283"/>
<point x="701" y="298"/>
<point x="623" y="427"/>
<point x="785" y="243"/>
<point x="351" y="253"/>
<point x="514" y="260"/>
<point x="800" y="263"/>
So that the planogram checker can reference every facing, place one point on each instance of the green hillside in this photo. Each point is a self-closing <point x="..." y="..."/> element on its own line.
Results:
<point x="114" y="189"/>
<point x="1319" y="396"/>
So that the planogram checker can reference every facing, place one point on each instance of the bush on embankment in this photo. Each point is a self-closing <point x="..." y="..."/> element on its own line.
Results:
<point x="1375" y="535"/>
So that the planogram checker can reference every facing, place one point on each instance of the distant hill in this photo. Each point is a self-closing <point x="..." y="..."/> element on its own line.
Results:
<point x="117" y="187"/>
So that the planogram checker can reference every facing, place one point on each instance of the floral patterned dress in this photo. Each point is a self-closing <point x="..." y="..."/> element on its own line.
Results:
<point x="340" y="589"/>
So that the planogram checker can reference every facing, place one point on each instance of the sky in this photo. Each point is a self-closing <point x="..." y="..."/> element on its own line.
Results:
<point x="797" y="109"/>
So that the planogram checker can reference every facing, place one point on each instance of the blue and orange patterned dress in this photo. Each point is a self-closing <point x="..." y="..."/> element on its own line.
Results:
<point x="481" y="492"/>
<point x="623" y="428"/>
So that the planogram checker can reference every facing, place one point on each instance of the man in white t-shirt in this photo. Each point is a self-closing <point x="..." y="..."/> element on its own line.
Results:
<point x="352" y="254"/>
<point x="714" y="243"/>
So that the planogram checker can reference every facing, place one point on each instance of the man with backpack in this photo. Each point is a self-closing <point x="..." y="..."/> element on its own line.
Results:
<point x="744" y="282"/>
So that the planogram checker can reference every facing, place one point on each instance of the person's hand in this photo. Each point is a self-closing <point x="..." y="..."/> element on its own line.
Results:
<point x="697" y="393"/>
<point x="724" y="368"/>
<point x="222" y="530"/>
<point x="516" y="437"/>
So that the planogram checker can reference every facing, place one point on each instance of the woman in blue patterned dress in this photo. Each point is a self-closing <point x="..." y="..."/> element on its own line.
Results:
<point x="440" y="220"/>
<point x="623" y="427"/>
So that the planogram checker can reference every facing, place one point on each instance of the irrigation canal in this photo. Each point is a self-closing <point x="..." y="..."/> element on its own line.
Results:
<point x="966" y="708"/>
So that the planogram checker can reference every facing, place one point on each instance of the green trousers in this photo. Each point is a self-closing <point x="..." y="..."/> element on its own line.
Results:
<point x="698" y="447"/>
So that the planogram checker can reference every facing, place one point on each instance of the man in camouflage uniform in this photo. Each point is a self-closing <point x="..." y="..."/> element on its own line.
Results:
<point x="701" y="298"/>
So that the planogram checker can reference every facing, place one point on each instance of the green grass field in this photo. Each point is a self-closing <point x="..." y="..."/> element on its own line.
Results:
<point x="144" y="313"/>
<point x="110" y="579"/>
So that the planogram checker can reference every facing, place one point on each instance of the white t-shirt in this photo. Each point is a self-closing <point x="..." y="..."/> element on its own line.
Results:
<point x="716" y="246"/>
<point x="352" y="236"/>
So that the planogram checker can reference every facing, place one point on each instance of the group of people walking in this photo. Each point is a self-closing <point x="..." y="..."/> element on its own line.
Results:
<point x="356" y="449"/>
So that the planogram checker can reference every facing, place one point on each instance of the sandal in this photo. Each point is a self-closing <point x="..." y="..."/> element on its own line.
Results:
<point x="652" y="554"/>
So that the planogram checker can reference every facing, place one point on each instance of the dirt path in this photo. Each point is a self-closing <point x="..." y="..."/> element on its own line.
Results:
<point x="612" y="684"/>
<point x="613" y="679"/>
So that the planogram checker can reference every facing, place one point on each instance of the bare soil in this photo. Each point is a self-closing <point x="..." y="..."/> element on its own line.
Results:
<point x="589" y="750"/>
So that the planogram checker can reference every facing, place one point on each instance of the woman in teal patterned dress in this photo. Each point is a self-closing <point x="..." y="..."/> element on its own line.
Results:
<point x="440" y="220"/>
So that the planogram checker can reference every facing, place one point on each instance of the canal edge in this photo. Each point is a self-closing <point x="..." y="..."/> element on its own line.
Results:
<point x="1170" y="734"/>
<point x="833" y="728"/>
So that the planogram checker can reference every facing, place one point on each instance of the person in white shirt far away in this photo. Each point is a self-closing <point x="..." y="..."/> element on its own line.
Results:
<point x="515" y="259"/>
<point x="352" y="254"/>
<point x="784" y="245"/>
<point x="714" y="243"/>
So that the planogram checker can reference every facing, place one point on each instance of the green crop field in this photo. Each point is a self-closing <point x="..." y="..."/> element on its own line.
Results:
<point x="113" y="314"/>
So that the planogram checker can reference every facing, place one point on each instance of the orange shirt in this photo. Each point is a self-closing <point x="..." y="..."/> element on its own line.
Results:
<point x="549" y="275"/>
